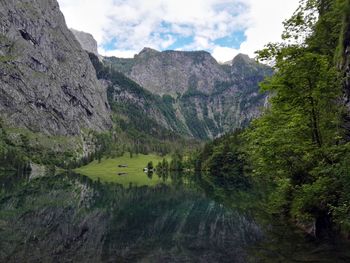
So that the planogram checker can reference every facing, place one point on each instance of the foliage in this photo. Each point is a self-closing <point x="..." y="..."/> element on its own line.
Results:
<point x="176" y="163"/>
<point x="162" y="166"/>
<point x="12" y="157"/>
<point x="298" y="143"/>
<point x="20" y="147"/>
<point x="107" y="170"/>
<point x="150" y="165"/>
<point x="222" y="162"/>
<point x="135" y="130"/>
<point x="225" y="159"/>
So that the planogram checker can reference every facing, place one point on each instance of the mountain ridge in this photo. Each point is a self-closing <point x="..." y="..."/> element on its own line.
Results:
<point x="209" y="99"/>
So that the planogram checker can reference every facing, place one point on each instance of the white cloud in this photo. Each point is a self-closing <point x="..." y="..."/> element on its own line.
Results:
<point x="130" y="25"/>
<point x="224" y="54"/>
<point x="265" y="22"/>
<point x="89" y="16"/>
<point x="118" y="53"/>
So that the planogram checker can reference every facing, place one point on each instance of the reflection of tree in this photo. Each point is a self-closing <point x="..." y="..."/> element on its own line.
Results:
<point x="132" y="223"/>
<point x="163" y="174"/>
<point x="150" y="174"/>
<point x="226" y="191"/>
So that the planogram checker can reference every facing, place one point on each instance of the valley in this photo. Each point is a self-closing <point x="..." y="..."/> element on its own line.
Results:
<point x="170" y="155"/>
<point x="202" y="98"/>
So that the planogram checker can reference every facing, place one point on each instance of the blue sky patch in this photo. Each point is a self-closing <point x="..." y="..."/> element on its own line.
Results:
<point x="233" y="41"/>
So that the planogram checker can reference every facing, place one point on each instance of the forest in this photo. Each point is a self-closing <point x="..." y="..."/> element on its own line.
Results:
<point x="300" y="144"/>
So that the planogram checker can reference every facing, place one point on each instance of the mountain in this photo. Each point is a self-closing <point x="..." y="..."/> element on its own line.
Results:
<point x="59" y="102"/>
<point x="173" y="72"/>
<point x="206" y="98"/>
<point x="188" y="93"/>
<point x="144" y="122"/>
<point x="86" y="41"/>
<point x="47" y="82"/>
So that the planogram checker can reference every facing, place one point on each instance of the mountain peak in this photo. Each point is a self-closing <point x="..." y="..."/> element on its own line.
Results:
<point x="86" y="41"/>
<point x="148" y="50"/>
<point x="242" y="58"/>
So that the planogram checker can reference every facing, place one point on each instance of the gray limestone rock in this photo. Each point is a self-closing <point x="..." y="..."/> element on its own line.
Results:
<point x="210" y="99"/>
<point x="86" y="41"/>
<point x="172" y="72"/>
<point x="47" y="82"/>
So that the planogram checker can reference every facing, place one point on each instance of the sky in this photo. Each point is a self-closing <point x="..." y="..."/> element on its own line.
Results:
<point x="224" y="28"/>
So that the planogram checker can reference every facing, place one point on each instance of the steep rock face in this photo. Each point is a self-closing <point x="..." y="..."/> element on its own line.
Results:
<point x="172" y="72"/>
<point x="86" y="41"/>
<point x="47" y="82"/>
<point x="139" y="108"/>
<point x="231" y="105"/>
<point x="209" y="99"/>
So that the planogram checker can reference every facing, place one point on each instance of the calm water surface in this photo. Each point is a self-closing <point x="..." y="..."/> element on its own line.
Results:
<point x="188" y="218"/>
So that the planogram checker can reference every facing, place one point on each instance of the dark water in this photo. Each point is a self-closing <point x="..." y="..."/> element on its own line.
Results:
<point x="195" y="218"/>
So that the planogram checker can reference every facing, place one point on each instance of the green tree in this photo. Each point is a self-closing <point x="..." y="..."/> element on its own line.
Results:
<point x="150" y="165"/>
<point x="176" y="163"/>
<point x="298" y="141"/>
<point x="165" y="165"/>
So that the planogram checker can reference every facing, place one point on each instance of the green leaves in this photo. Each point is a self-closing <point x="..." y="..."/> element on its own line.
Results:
<point x="298" y="142"/>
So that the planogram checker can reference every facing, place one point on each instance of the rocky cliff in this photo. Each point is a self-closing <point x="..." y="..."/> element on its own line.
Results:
<point x="135" y="108"/>
<point x="172" y="72"/>
<point x="207" y="98"/>
<point x="86" y="41"/>
<point x="47" y="82"/>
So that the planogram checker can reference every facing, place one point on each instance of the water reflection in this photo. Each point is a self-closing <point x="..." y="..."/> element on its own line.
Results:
<point x="190" y="218"/>
<point x="70" y="217"/>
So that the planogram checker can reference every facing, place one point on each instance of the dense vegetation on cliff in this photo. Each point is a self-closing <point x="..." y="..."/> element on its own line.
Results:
<point x="299" y="144"/>
<point x="11" y="157"/>
<point x="20" y="147"/>
<point x="137" y="114"/>
<point x="201" y="98"/>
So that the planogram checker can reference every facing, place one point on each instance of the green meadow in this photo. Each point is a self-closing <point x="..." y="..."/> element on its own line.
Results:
<point x="107" y="170"/>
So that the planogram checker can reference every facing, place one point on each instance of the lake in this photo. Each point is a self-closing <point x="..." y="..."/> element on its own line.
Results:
<point x="181" y="218"/>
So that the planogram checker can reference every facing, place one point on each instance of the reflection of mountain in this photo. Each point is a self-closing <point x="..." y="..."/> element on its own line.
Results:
<point x="72" y="218"/>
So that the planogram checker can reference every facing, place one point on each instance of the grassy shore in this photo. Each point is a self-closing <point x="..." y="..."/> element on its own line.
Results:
<point x="107" y="170"/>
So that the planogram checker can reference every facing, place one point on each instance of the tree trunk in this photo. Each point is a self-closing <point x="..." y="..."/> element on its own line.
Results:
<point x="345" y="66"/>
